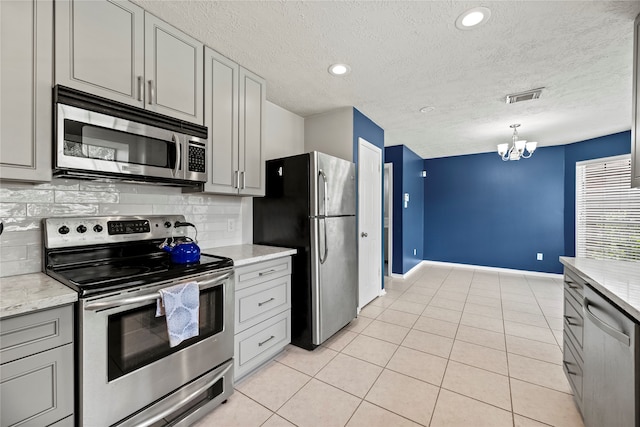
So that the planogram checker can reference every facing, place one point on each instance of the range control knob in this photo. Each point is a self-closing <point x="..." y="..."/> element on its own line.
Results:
<point x="81" y="228"/>
<point x="63" y="230"/>
<point x="167" y="224"/>
<point x="97" y="228"/>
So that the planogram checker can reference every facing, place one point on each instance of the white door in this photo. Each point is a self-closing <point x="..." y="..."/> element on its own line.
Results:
<point x="369" y="222"/>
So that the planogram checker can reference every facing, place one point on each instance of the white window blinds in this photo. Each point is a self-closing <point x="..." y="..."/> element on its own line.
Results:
<point x="607" y="210"/>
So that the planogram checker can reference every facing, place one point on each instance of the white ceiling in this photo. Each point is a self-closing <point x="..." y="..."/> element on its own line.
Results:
<point x="405" y="55"/>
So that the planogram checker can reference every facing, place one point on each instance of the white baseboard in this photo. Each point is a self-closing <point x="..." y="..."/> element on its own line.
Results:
<point x="494" y="269"/>
<point x="408" y="273"/>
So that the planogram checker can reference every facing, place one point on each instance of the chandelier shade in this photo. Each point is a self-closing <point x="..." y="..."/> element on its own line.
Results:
<point x="520" y="148"/>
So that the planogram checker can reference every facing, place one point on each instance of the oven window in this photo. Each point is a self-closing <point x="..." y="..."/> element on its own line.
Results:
<point x="137" y="337"/>
<point x="94" y="142"/>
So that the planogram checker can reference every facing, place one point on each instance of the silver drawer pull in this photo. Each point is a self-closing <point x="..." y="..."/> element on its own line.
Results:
<point x="260" y="304"/>
<point x="266" y="273"/>
<point x="568" y="319"/>
<point x="569" y="371"/>
<point x="260" y="344"/>
<point x="573" y="285"/>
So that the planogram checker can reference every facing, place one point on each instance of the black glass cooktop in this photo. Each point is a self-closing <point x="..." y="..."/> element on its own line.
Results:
<point x="113" y="268"/>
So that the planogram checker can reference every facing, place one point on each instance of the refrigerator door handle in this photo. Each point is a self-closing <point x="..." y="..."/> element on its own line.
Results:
<point x="326" y="190"/>
<point x="323" y="257"/>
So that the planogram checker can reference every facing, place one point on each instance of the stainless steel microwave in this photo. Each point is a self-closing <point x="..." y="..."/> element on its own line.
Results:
<point x="96" y="138"/>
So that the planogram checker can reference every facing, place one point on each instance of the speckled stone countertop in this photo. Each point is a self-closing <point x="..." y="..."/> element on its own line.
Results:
<point x="617" y="280"/>
<point x="29" y="292"/>
<point x="249" y="254"/>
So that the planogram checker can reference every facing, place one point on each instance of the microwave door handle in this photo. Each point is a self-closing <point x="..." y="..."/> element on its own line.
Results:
<point x="176" y="139"/>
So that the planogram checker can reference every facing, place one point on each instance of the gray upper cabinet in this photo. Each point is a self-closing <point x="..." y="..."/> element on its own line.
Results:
<point x="114" y="49"/>
<point x="635" y="122"/>
<point x="26" y="76"/>
<point x="234" y="114"/>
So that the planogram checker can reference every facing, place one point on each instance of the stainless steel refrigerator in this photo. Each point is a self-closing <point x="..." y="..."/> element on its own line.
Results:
<point x="310" y="205"/>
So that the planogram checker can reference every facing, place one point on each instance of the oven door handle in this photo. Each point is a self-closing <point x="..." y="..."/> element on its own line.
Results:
<point x="100" y="305"/>
<point x="184" y="401"/>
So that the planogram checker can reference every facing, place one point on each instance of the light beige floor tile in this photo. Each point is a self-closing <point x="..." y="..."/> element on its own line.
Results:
<point x="482" y="322"/>
<point x="450" y="293"/>
<point x="481" y="337"/>
<point x="393" y="293"/>
<point x="479" y="384"/>
<point x="520" y="421"/>
<point x="273" y="385"/>
<point x="445" y="314"/>
<point x="450" y="304"/>
<point x="408" y="307"/>
<point x="480" y="357"/>
<point x="382" y="301"/>
<point x="530" y="332"/>
<point x="538" y="372"/>
<point x="340" y="340"/>
<point x="526" y="318"/>
<point x="386" y="331"/>
<point x="308" y="362"/>
<point x="522" y="307"/>
<point x="525" y="297"/>
<point x="239" y="411"/>
<point x="558" y="335"/>
<point x="555" y="322"/>
<point x="545" y="405"/>
<point x="404" y="396"/>
<point x="416" y="289"/>
<point x="435" y="326"/>
<point x="481" y="300"/>
<point x="371" y="311"/>
<point x="369" y="415"/>
<point x="370" y="349"/>
<point x="535" y="349"/>
<point x="352" y="375"/>
<point x="483" y="310"/>
<point x="415" y="297"/>
<point x="485" y="290"/>
<point x="429" y="343"/>
<point x="358" y="324"/>
<point x="454" y="410"/>
<point x="399" y="318"/>
<point x="319" y="404"/>
<point x="277" y="421"/>
<point x="417" y="364"/>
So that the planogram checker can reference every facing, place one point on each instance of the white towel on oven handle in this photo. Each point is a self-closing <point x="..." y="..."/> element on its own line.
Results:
<point x="181" y="305"/>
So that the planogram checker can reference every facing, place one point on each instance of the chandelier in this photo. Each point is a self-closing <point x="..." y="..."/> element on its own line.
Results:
<point x="519" y="147"/>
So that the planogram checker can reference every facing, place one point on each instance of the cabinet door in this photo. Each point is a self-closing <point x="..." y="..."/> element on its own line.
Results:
<point x="221" y="118"/>
<point x="100" y="48"/>
<point x="173" y="71"/>
<point x="252" y="100"/>
<point x="635" y="124"/>
<point x="26" y="76"/>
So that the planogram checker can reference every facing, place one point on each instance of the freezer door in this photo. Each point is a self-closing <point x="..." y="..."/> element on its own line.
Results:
<point x="333" y="186"/>
<point x="334" y="275"/>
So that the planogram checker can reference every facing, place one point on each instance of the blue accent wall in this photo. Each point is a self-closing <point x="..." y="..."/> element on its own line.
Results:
<point x="605" y="146"/>
<point x="480" y="210"/>
<point x="408" y="223"/>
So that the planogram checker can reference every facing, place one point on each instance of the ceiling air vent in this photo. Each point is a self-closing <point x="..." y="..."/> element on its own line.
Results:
<point x="524" y="96"/>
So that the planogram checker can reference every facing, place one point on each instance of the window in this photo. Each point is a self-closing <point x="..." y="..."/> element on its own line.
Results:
<point x="607" y="210"/>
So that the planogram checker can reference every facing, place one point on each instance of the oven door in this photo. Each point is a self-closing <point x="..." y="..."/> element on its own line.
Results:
<point x="90" y="141"/>
<point x="126" y="361"/>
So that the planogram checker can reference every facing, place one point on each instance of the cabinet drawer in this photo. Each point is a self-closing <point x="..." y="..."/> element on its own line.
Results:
<point x="258" y="344"/>
<point x="37" y="390"/>
<point x="261" y="272"/>
<point x="574" y="286"/>
<point x="32" y="333"/>
<point x="572" y="366"/>
<point x="573" y="321"/>
<point x="260" y="302"/>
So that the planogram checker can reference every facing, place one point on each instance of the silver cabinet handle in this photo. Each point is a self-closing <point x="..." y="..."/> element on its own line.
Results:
<point x="260" y="304"/>
<point x="568" y="319"/>
<point x="266" y="273"/>
<point x="610" y="330"/>
<point x="152" y="92"/>
<point x="569" y="371"/>
<point x="260" y="344"/>
<point x="236" y="179"/>
<point x="572" y="285"/>
<point x="175" y="139"/>
<point x="140" y="88"/>
<point x="243" y="180"/>
<point x="363" y="234"/>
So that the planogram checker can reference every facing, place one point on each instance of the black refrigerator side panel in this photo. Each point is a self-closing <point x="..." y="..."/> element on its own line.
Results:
<point x="281" y="218"/>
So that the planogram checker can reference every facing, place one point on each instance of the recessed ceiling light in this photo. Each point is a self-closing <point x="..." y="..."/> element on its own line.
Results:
<point x="427" y="109"/>
<point x="339" y="69"/>
<point x="473" y="18"/>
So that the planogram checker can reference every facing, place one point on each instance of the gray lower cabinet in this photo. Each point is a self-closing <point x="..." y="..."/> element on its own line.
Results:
<point x="573" y="356"/>
<point x="26" y="76"/>
<point x="36" y="368"/>
<point x="234" y="114"/>
<point x="262" y="313"/>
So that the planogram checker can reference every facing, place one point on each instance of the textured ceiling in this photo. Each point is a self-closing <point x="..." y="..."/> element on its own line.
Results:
<point x="405" y="55"/>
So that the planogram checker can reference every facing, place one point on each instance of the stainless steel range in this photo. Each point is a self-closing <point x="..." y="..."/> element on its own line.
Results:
<point x="127" y="372"/>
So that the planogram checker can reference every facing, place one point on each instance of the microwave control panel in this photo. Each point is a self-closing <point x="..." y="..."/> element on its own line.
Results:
<point x="197" y="157"/>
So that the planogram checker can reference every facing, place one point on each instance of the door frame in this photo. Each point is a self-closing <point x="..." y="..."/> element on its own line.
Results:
<point x="388" y="172"/>
<point x="378" y="230"/>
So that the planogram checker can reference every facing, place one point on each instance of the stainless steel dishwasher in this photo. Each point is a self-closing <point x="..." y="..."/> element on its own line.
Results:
<point x="611" y="387"/>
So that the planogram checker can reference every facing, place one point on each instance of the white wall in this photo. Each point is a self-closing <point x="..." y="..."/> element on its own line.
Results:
<point x="284" y="133"/>
<point x="331" y="133"/>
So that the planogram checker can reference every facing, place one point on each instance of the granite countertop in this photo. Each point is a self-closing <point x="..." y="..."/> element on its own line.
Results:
<point x="617" y="280"/>
<point x="30" y="292"/>
<point x="249" y="254"/>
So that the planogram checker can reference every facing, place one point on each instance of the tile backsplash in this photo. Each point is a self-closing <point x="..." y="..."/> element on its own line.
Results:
<point x="22" y="207"/>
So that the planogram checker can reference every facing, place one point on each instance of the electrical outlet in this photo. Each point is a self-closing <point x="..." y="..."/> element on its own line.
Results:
<point x="539" y="256"/>
<point x="231" y="224"/>
<point x="415" y="252"/>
